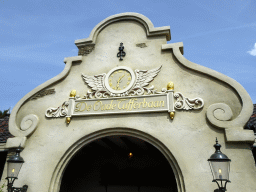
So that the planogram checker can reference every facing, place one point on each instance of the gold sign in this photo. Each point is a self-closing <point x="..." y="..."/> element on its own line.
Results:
<point x="119" y="103"/>
<point x="139" y="104"/>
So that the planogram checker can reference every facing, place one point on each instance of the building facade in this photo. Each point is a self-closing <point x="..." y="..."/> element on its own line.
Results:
<point x="131" y="113"/>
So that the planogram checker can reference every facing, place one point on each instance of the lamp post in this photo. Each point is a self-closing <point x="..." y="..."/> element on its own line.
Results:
<point x="14" y="164"/>
<point x="219" y="164"/>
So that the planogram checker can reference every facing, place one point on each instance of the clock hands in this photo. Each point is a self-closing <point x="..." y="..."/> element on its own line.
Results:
<point x="120" y="78"/>
<point x="119" y="81"/>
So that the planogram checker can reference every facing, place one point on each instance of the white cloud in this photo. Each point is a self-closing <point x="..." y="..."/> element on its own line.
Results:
<point x="253" y="51"/>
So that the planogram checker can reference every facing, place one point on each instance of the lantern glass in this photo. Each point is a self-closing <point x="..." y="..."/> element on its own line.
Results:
<point x="220" y="169"/>
<point x="13" y="169"/>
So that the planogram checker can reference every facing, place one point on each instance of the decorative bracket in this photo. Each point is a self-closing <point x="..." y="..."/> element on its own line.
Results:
<point x="121" y="52"/>
<point x="186" y="103"/>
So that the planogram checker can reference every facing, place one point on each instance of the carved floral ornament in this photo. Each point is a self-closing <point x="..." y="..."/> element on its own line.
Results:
<point x="122" y="91"/>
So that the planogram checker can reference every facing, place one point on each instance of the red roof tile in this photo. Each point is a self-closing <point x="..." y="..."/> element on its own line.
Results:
<point x="4" y="131"/>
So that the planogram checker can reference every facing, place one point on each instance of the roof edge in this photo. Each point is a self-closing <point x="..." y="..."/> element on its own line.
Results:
<point x="148" y="25"/>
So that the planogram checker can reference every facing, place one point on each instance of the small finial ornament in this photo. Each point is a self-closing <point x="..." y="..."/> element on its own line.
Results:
<point x="73" y="93"/>
<point x="170" y="86"/>
<point x="68" y="119"/>
<point x="217" y="145"/>
<point x="172" y="115"/>
<point x="121" y="52"/>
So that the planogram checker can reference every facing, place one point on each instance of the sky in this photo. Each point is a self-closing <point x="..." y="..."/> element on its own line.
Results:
<point x="36" y="36"/>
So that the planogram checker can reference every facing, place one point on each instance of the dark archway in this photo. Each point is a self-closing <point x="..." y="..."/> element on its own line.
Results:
<point x="104" y="165"/>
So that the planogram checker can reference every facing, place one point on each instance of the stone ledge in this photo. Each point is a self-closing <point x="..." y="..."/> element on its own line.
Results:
<point x="16" y="142"/>
<point x="240" y="136"/>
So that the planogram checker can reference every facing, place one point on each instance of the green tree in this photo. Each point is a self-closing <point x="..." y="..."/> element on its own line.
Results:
<point x="4" y="113"/>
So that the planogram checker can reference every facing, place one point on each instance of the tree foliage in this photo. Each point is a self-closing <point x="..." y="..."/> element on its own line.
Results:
<point x="4" y="113"/>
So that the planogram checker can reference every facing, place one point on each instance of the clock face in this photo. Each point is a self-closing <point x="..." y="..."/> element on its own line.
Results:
<point x="119" y="79"/>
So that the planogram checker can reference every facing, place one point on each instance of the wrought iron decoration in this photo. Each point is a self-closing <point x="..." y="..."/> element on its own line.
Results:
<point x="121" y="52"/>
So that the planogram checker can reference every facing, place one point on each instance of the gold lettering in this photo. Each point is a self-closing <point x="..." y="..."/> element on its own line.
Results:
<point x="130" y="103"/>
<point x="103" y="107"/>
<point x="78" y="106"/>
<point x="144" y="102"/>
<point x="160" y="104"/>
<point x="96" y="104"/>
<point x="85" y="105"/>
<point x="89" y="107"/>
<point x="119" y="103"/>
<point x="151" y="102"/>
<point x="109" y="106"/>
<point x="140" y="104"/>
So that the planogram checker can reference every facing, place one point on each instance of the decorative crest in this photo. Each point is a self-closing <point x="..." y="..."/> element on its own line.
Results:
<point x="135" y="83"/>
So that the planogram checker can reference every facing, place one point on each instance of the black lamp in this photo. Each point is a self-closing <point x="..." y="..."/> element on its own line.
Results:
<point x="220" y="166"/>
<point x="14" y="164"/>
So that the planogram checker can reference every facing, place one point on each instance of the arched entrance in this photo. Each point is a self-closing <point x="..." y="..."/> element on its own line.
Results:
<point x="100" y="162"/>
<point x="118" y="163"/>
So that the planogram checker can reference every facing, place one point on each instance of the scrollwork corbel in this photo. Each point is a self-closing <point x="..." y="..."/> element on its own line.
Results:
<point x="60" y="111"/>
<point x="186" y="103"/>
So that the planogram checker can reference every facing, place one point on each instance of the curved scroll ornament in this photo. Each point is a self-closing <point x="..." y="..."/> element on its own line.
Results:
<point x="60" y="111"/>
<point x="29" y="124"/>
<point x="186" y="103"/>
<point x="219" y="114"/>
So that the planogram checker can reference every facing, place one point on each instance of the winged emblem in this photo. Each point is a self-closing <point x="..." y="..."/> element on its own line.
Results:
<point x="95" y="82"/>
<point x="143" y="79"/>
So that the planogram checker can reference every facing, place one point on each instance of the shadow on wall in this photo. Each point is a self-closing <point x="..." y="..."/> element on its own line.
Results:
<point x="106" y="166"/>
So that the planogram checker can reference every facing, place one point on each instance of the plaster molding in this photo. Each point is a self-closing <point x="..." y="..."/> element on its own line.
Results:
<point x="86" y="49"/>
<point x="16" y="142"/>
<point x="60" y="111"/>
<point x="29" y="124"/>
<point x="232" y="126"/>
<point x="19" y="131"/>
<point x="43" y="93"/>
<point x="186" y="103"/>
<point x="148" y="25"/>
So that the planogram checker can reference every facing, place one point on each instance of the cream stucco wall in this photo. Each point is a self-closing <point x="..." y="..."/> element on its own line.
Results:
<point x="187" y="140"/>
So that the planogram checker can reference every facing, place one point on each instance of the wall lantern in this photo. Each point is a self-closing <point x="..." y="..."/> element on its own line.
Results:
<point x="14" y="164"/>
<point x="219" y="164"/>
